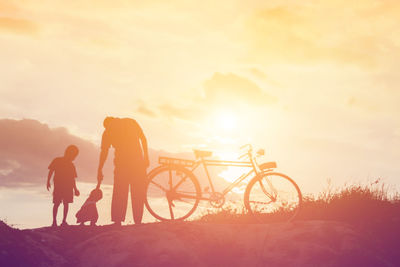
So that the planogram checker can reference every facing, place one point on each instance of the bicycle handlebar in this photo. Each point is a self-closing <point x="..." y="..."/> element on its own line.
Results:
<point x="249" y="151"/>
<point x="244" y="155"/>
<point x="248" y="146"/>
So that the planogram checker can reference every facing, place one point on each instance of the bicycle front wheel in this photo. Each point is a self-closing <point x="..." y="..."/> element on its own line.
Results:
<point x="172" y="193"/>
<point x="273" y="197"/>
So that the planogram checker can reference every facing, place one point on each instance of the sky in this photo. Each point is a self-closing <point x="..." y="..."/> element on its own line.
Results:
<point x="313" y="83"/>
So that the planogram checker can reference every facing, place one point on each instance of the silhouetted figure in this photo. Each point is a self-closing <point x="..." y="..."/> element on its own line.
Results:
<point x="130" y="162"/>
<point x="64" y="181"/>
<point x="88" y="211"/>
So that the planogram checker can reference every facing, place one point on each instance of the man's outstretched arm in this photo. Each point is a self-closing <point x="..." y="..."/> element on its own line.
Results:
<point x="105" y="146"/>
<point x="143" y="140"/>
<point x="102" y="160"/>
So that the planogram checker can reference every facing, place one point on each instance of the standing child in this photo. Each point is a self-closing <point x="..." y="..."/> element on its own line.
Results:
<point x="64" y="181"/>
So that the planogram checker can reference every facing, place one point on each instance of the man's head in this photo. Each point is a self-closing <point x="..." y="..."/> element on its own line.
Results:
<point x="71" y="152"/>
<point x="108" y="121"/>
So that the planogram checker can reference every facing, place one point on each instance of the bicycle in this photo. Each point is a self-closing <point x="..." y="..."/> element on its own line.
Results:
<point x="267" y="193"/>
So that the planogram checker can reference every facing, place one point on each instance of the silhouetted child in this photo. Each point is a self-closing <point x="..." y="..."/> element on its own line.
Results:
<point x="88" y="211"/>
<point x="64" y="181"/>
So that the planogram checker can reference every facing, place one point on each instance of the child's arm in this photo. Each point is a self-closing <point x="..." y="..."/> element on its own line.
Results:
<point x="51" y="171"/>
<point x="77" y="193"/>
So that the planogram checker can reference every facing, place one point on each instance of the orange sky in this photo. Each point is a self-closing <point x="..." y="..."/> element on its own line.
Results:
<point x="314" y="83"/>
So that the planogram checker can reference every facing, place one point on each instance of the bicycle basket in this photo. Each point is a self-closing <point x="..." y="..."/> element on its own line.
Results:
<point x="175" y="161"/>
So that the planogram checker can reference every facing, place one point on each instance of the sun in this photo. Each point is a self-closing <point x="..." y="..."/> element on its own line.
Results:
<point x="226" y="121"/>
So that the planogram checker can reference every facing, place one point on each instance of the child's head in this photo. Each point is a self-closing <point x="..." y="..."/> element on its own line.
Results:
<point x="96" y="195"/>
<point x="71" y="152"/>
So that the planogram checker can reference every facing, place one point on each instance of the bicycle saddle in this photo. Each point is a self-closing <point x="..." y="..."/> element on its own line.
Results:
<point x="202" y="153"/>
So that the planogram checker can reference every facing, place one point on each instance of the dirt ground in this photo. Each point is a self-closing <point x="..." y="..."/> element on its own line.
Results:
<point x="307" y="243"/>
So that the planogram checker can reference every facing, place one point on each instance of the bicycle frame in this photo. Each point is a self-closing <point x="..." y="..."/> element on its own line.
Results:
<point x="191" y="166"/>
<point x="205" y="162"/>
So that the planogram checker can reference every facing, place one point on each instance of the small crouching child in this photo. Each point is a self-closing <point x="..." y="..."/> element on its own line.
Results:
<point x="88" y="211"/>
<point x="64" y="172"/>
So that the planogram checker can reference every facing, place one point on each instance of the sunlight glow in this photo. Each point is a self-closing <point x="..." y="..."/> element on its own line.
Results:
<point x="226" y="121"/>
<point x="230" y="174"/>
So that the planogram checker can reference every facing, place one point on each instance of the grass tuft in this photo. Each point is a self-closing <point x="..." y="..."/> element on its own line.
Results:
<point x="356" y="204"/>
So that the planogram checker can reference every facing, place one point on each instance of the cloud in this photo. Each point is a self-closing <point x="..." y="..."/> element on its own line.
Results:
<point x="328" y="31"/>
<point x="188" y="112"/>
<point x="28" y="146"/>
<point x="143" y="109"/>
<point x="18" y="26"/>
<point x="258" y="73"/>
<point x="362" y="104"/>
<point x="220" y="91"/>
<point x="231" y="89"/>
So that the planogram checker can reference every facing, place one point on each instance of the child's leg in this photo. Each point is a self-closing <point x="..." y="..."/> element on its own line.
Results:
<point x="66" y="205"/>
<point x="55" y="209"/>
<point x="95" y="217"/>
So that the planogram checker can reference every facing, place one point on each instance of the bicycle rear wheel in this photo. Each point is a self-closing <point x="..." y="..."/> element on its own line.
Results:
<point x="273" y="197"/>
<point x="172" y="193"/>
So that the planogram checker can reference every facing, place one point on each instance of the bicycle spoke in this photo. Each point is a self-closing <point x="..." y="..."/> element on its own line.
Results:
<point x="264" y="190"/>
<point x="171" y="212"/>
<point x="180" y="182"/>
<point x="170" y="179"/>
<point x="159" y="186"/>
<point x="274" y="196"/>
<point x="186" y="196"/>
<point x="185" y="201"/>
<point x="173" y="193"/>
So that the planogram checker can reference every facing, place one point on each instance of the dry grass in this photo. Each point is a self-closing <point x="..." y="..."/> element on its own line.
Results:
<point x="373" y="209"/>
<point x="356" y="204"/>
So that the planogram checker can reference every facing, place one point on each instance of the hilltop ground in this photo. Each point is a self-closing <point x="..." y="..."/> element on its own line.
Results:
<point x="306" y="243"/>
<point x="352" y="226"/>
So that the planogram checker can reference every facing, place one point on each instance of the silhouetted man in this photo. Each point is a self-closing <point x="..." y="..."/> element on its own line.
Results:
<point x="130" y="163"/>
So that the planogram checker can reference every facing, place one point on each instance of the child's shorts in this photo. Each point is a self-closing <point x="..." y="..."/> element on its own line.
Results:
<point x="63" y="195"/>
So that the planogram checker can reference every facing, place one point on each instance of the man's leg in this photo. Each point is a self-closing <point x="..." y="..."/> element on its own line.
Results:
<point x="55" y="209"/>
<point x="138" y="195"/>
<point x="119" y="198"/>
